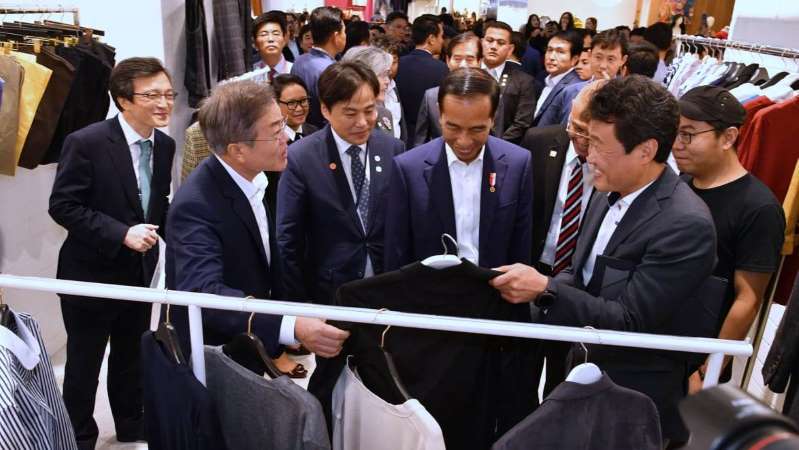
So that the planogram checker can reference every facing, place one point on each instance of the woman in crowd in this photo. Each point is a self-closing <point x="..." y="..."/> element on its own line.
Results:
<point x="379" y="61"/>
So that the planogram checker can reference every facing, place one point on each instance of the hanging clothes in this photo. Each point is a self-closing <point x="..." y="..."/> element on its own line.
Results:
<point x="752" y="107"/>
<point x="46" y="119"/>
<point x="33" y="412"/>
<point x="232" y="28"/>
<point x="261" y="414"/>
<point x="596" y="416"/>
<point x="195" y="150"/>
<point x="475" y="386"/>
<point x="13" y="74"/>
<point x="178" y="411"/>
<point x="37" y="77"/>
<point x="364" y="421"/>
<point x="198" y="72"/>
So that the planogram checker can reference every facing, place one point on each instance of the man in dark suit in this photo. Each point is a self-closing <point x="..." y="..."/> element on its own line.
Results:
<point x="329" y="37"/>
<point x="110" y="193"/>
<point x="331" y="198"/>
<point x="221" y="236"/>
<point x="563" y="52"/>
<point x="517" y="90"/>
<point x="562" y="189"/>
<point x="420" y="69"/>
<point x="645" y="248"/>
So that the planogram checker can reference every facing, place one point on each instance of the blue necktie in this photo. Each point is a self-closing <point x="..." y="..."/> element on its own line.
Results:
<point x="145" y="174"/>
<point x="360" y="184"/>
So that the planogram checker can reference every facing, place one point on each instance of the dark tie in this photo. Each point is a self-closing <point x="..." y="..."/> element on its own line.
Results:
<point x="360" y="184"/>
<point x="297" y="137"/>
<point x="145" y="174"/>
<point x="271" y="75"/>
<point x="570" y="220"/>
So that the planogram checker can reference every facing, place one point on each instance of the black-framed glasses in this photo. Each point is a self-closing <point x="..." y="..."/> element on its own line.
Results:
<point x="686" y="137"/>
<point x="280" y="133"/>
<point x="154" y="96"/>
<point x="293" y="104"/>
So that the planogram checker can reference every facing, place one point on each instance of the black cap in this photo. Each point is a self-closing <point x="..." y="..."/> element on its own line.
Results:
<point x="712" y="104"/>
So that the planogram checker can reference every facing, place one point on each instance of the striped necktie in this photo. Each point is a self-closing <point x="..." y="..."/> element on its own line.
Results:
<point x="570" y="220"/>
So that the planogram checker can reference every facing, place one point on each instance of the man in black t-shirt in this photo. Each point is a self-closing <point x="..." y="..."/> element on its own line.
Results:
<point x="749" y="221"/>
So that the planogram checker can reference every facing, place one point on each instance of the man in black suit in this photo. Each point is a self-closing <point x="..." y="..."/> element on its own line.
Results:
<point x="420" y="69"/>
<point x="517" y="88"/>
<point x="563" y="53"/>
<point x="331" y="198"/>
<point x="561" y="193"/>
<point x="645" y="248"/>
<point x="110" y="193"/>
<point x="221" y="236"/>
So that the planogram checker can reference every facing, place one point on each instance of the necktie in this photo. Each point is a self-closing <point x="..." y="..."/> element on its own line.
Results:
<point x="145" y="174"/>
<point x="271" y="75"/>
<point x="297" y="137"/>
<point x="360" y="184"/>
<point x="570" y="220"/>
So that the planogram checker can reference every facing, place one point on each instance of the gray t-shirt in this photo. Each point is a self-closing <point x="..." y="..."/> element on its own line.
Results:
<point x="257" y="413"/>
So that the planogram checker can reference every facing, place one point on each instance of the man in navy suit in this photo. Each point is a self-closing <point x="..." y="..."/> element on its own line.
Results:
<point x="221" y="239"/>
<point x="563" y="52"/>
<point x="474" y="187"/>
<point x="110" y="193"/>
<point x="331" y="199"/>
<point x="420" y="69"/>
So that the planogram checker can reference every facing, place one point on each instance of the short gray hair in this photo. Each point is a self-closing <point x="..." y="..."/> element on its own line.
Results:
<point x="229" y="115"/>
<point x="374" y="58"/>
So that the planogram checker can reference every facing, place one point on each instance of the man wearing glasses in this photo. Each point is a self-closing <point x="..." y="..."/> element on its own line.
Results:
<point x="561" y="193"/>
<point x="110" y="193"/>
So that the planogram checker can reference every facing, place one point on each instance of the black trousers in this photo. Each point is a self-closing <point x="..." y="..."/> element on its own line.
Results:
<point x="89" y="327"/>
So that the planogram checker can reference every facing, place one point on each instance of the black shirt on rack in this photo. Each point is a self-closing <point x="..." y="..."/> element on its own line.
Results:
<point x="474" y="385"/>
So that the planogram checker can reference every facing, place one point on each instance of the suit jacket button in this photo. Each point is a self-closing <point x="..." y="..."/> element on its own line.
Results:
<point x="360" y="274"/>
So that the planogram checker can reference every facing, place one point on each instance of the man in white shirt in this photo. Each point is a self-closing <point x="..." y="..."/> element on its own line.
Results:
<point x="270" y="38"/>
<point x="220" y="236"/>
<point x="646" y="248"/>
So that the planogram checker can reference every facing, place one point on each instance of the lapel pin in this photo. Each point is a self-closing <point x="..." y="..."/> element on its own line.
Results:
<point x="378" y="169"/>
<point x="377" y="158"/>
<point x="553" y="154"/>
<point x="492" y="181"/>
<point x="332" y="166"/>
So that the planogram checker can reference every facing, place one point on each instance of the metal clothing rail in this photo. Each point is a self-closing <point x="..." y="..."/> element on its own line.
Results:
<point x="73" y="11"/>
<point x="717" y="348"/>
<point x="739" y="45"/>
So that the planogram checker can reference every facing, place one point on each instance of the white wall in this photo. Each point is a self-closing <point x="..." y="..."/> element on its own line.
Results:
<point x="291" y="5"/>
<point x="609" y="13"/>
<point x="765" y="22"/>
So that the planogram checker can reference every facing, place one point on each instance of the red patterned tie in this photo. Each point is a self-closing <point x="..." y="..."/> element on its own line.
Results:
<point x="570" y="220"/>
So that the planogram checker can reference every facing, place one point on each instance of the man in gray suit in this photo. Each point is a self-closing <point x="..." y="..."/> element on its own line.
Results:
<point x="464" y="50"/>
<point x="648" y="243"/>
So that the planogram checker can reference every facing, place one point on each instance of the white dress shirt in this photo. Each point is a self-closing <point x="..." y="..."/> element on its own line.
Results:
<point x="132" y="138"/>
<point x="496" y="72"/>
<point x="292" y="133"/>
<point x="549" y="84"/>
<point x="281" y="67"/>
<point x="346" y="161"/>
<point x="551" y="243"/>
<point x="467" y="181"/>
<point x="254" y="192"/>
<point x="392" y="103"/>
<point x="612" y="219"/>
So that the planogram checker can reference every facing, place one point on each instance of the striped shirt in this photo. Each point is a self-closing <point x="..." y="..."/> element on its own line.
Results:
<point x="33" y="415"/>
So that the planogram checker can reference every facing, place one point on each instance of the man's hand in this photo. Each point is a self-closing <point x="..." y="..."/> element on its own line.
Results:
<point x="519" y="283"/>
<point x="694" y="383"/>
<point x="141" y="237"/>
<point x="318" y="337"/>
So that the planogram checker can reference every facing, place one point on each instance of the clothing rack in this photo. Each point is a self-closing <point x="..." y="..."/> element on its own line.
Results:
<point x="739" y="45"/>
<point x="717" y="348"/>
<point x="73" y="11"/>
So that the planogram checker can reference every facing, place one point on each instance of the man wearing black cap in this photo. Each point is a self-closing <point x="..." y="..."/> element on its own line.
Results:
<point x="749" y="221"/>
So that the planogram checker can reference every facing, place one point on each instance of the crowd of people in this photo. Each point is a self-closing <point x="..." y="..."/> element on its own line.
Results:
<point x="551" y="154"/>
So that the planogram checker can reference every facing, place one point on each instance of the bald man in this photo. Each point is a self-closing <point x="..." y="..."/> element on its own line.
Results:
<point x="559" y="153"/>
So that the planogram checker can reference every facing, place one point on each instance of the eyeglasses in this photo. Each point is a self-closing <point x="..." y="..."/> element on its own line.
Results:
<point x="293" y="104"/>
<point x="686" y="137"/>
<point x="574" y="133"/>
<point x="155" y="96"/>
<point x="276" y="137"/>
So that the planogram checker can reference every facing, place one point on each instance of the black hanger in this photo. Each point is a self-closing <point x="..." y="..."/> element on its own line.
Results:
<point x="249" y="352"/>
<point x="760" y="76"/>
<point x="6" y="316"/>
<point x="167" y="337"/>
<point x="795" y="85"/>
<point x="774" y="80"/>
<point x="392" y="368"/>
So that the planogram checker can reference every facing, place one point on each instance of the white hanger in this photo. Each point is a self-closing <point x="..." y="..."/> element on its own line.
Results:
<point x="445" y="260"/>
<point x="585" y="373"/>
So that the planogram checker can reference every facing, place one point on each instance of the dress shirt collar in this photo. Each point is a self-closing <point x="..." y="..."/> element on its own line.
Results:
<point x="322" y="51"/>
<point x="425" y="50"/>
<point x="290" y="133"/>
<point x="250" y="188"/>
<point x="23" y="345"/>
<point x="280" y="67"/>
<point x="343" y="145"/>
<point x="627" y="200"/>
<point x="551" y="81"/>
<point x="453" y="159"/>
<point x="496" y="72"/>
<point x="131" y="136"/>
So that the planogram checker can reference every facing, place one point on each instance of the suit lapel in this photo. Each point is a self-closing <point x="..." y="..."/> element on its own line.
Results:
<point x="379" y="159"/>
<point x="336" y="167"/>
<point x="493" y="163"/>
<point x="440" y="187"/>
<point x="161" y="167"/>
<point x="555" y="158"/>
<point x="499" y="116"/>
<point x="640" y="212"/>
<point x="554" y="93"/>
<point x="123" y="162"/>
